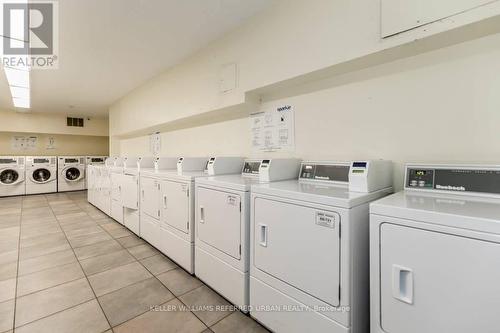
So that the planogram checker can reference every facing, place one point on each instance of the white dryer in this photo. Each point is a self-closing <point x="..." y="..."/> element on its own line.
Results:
<point x="309" y="247"/>
<point x="71" y="171"/>
<point x="102" y="197"/>
<point x="127" y="184"/>
<point x="12" y="176"/>
<point x="222" y="242"/>
<point x="115" y="175"/>
<point x="435" y="252"/>
<point x="173" y="203"/>
<point x="92" y="160"/>
<point x="41" y="174"/>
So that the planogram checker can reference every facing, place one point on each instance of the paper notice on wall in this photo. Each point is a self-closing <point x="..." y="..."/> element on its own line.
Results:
<point x="17" y="143"/>
<point x="51" y="143"/>
<point x="30" y="142"/>
<point x="274" y="129"/>
<point x="155" y="144"/>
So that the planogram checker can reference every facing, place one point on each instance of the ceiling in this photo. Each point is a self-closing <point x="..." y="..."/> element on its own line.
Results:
<point x="107" y="48"/>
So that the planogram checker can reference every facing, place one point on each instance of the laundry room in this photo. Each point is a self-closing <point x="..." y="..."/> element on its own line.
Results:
<point x="249" y="166"/>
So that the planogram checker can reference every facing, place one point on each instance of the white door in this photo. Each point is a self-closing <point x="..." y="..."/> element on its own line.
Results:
<point x="130" y="190"/>
<point x="219" y="220"/>
<point x="175" y="205"/>
<point x="150" y="230"/>
<point x="299" y="245"/>
<point x="116" y="180"/>
<point x="434" y="282"/>
<point x="150" y="197"/>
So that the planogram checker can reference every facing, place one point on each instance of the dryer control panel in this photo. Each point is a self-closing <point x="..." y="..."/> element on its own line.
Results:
<point x="453" y="178"/>
<point x="278" y="169"/>
<point x="224" y="165"/>
<point x="191" y="164"/>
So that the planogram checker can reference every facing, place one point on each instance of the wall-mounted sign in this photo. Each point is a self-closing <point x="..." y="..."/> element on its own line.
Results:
<point x="51" y="143"/>
<point x="274" y="129"/>
<point x="155" y="144"/>
<point x="24" y="142"/>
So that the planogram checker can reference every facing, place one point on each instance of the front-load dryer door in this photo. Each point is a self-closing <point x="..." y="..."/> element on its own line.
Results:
<point x="130" y="190"/>
<point x="150" y="197"/>
<point x="72" y="174"/>
<point x="219" y="220"/>
<point x="298" y="245"/>
<point x="41" y="175"/>
<point x="10" y="177"/>
<point x="437" y="282"/>
<point x="175" y="205"/>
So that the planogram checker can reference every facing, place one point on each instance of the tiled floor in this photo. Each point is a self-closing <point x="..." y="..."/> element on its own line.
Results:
<point x="66" y="267"/>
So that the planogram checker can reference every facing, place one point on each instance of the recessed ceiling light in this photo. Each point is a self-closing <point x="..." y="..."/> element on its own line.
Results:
<point x="20" y="92"/>
<point x="21" y="103"/>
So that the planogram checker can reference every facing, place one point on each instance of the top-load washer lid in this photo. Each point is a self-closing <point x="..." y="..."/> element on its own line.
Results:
<point x="72" y="174"/>
<point x="10" y="177"/>
<point x="41" y="175"/>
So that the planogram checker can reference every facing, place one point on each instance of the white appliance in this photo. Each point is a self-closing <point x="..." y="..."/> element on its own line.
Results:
<point x="168" y="205"/>
<point x="41" y="174"/>
<point x="127" y="196"/>
<point x="309" y="247"/>
<point x="435" y="250"/>
<point x="92" y="160"/>
<point x="12" y="176"/>
<point x="71" y="173"/>
<point x="99" y="193"/>
<point x="222" y="242"/>
<point x="115" y="175"/>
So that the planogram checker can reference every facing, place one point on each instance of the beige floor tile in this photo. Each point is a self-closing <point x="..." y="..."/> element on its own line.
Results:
<point x="35" y="231"/>
<point x="7" y="315"/>
<point x="171" y="318"/>
<point x="238" y="322"/>
<point x="55" y="238"/>
<point x="8" y="221"/>
<point x="43" y="249"/>
<point x="158" y="264"/>
<point x="179" y="282"/>
<point x="97" y="249"/>
<point x="7" y="257"/>
<point x="48" y="278"/>
<point x="130" y="241"/>
<point x="143" y="251"/>
<point x="10" y="245"/>
<point x="85" y="240"/>
<point x="40" y="263"/>
<point x="83" y="230"/>
<point x="107" y="261"/>
<point x="84" y="318"/>
<point x="207" y="305"/>
<point x="112" y="226"/>
<point x="49" y="301"/>
<point x="131" y="301"/>
<point x="119" y="233"/>
<point x="8" y="271"/>
<point x="8" y="234"/>
<point x="119" y="277"/>
<point x="10" y="210"/>
<point x="79" y="225"/>
<point x="7" y="289"/>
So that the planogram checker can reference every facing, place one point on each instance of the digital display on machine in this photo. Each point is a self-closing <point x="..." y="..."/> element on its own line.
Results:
<point x="338" y="173"/>
<point x="41" y="160"/>
<point x="359" y="165"/>
<point x="71" y="160"/>
<point x="97" y="160"/>
<point x="7" y="160"/>
<point x="251" y="167"/>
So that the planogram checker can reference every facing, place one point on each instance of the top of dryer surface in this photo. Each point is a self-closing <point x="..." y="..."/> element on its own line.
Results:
<point x="234" y="182"/>
<point x="337" y="195"/>
<point x="461" y="211"/>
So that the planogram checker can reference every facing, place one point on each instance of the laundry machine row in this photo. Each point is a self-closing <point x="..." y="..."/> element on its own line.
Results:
<point x="20" y="175"/>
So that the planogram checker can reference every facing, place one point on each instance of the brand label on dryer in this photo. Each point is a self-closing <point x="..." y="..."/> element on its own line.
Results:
<point x="232" y="200"/>
<point x="326" y="219"/>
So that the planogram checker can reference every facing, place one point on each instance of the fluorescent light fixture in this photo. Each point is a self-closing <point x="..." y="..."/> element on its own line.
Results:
<point x="21" y="103"/>
<point x="17" y="77"/>
<point x="20" y="92"/>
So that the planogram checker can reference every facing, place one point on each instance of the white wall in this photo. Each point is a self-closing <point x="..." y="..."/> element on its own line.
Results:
<point x="440" y="106"/>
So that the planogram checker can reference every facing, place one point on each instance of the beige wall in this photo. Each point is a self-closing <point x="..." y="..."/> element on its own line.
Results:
<point x="33" y="122"/>
<point x="64" y="144"/>
<point x="440" y="106"/>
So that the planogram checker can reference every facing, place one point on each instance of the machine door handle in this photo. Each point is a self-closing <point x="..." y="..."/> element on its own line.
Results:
<point x="142" y="196"/>
<point x="402" y="284"/>
<point x="165" y="202"/>
<point x="263" y="230"/>
<point x="202" y="214"/>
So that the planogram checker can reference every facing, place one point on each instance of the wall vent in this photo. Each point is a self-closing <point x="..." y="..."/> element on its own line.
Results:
<point x="75" y="122"/>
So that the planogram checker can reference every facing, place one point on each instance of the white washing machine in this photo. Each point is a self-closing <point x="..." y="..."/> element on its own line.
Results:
<point x="92" y="160"/>
<point x="41" y="174"/>
<point x="125" y="186"/>
<point x="309" y="247"/>
<point x="435" y="252"/>
<point x="103" y="184"/>
<point x="173" y="204"/>
<point x="222" y="242"/>
<point x="71" y="171"/>
<point x="12" y="176"/>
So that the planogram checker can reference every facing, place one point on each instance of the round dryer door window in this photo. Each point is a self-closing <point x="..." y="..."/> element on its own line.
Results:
<point x="9" y="176"/>
<point x="72" y="174"/>
<point x="41" y="175"/>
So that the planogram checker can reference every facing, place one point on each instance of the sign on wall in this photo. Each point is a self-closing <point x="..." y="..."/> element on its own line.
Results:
<point x="273" y="129"/>
<point x="155" y="144"/>
<point x="23" y="142"/>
